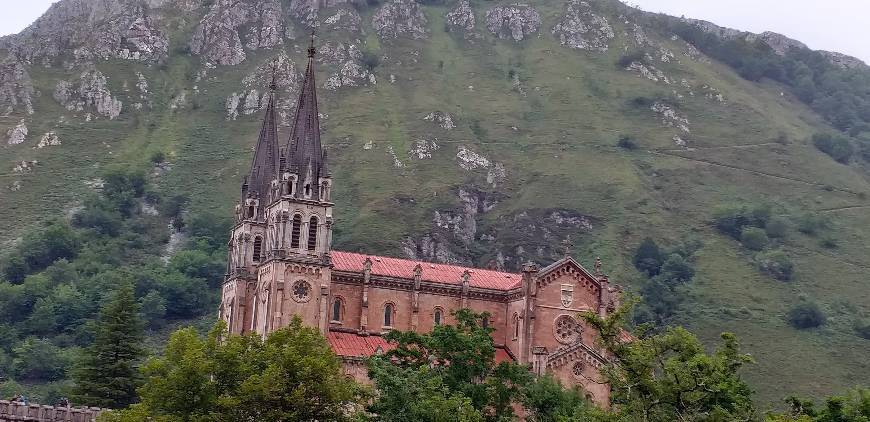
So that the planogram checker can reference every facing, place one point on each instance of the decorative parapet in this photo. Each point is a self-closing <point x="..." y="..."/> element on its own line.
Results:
<point x="15" y="412"/>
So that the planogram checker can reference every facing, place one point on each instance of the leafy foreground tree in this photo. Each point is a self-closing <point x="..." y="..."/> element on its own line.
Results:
<point x="108" y="374"/>
<point x="448" y="374"/>
<point x="853" y="407"/>
<point x="669" y="377"/>
<point x="292" y="375"/>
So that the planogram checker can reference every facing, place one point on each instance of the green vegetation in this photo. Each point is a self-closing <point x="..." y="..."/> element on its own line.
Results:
<point x="837" y="146"/>
<point x="806" y="315"/>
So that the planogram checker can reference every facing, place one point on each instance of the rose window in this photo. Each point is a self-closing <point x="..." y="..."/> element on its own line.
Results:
<point x="566" y="329"/>
<point x="577" y="370"/>
<point x="301" y="291"/>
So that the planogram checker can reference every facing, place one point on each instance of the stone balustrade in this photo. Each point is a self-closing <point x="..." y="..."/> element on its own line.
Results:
<point x="15" y="412"/>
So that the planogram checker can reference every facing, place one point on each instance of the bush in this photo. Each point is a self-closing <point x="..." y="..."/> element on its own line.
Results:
<point x="806" y="315"/>
<point x="775" y="263"/>
<point x="776" y="227"/>
<point x="626" y="142"/>
<point x="811" y="224"/>
<point x="836" y="146"/>
<point x="648" y="258"/>
<point x="677" y="269"/>
<point x="754" y="238"/>
<point x="627" y="59"/>
<point x="862" y="327"/>
<point x="731" y="219"/>
<point x="370" y="60"/>
<point x="158" y="157"/>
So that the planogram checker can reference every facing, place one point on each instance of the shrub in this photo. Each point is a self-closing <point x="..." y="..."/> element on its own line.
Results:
<point x="806" y="315"/>
<point x="828" y="242"/>
<point x="648" y="258"/>
<point x="370" y="60"/>
<point x="811" y="224"/>
<point x="158" y="157"/>
<point x="642" y="102"/>
<point x="731" y="219"/>
<point x="862" y="327"/>
<point x="836" y="146"/>
<point x="626" y="142"/>
<point x="677" y="269"/>
<point x="776" y="227"/>
<point x="627" y="59"/>
<point x="754" y="238"/>
<point x="775" y="263"/>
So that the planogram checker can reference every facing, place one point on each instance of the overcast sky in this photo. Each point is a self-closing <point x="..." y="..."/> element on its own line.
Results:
<point x="839" y="25"/>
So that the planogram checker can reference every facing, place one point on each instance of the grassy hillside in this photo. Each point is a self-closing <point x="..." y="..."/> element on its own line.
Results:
<point x="552" y="116"/>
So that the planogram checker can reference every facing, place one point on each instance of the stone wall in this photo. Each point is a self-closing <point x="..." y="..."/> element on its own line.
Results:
<point x="11" y="411"/>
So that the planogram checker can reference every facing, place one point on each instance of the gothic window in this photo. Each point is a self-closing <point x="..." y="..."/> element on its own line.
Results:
<point x="250" y="211"/>
<point x="295" y="231"/>
<point x="301" y="291"/>
<point x="516" y="326"/>
<point x="485" y="322"/>
<point x="389" y="309"/>
<point x="307" y="190"/>
<point x="258" y="248"/>
<point x="336" y="310"/>
<point x="312" y="234"/>
<point x="566" y="329"/>
<point x="324" y="191"/>
<point x="437" y="317"/>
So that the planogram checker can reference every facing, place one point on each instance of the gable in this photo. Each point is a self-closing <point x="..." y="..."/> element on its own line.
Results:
<point x="566" y="284"/>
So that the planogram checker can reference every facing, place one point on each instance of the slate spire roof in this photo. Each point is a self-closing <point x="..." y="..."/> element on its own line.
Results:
<point x="304" y="152"/>
<point x="265" y="163"/>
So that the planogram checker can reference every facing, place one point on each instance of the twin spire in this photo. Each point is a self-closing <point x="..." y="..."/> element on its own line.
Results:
<point x="301" y="155"/>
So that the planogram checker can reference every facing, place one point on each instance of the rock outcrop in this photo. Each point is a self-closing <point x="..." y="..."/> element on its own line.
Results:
<point x="123" y="29"/>
<point x="308" y="11"/>
<point x="516" y="21"/>
<point x="16" y="88"/>
<point x="444" y="120"/>
<point x="582" y="29"/>
<point x="249" y="98"/>
<point x="89" y="92"/>
<point x="17" y="134"/>
<point x="49" y="139"/>
<point x="461" y="18"/>
<point x="218" y="36"/>
<point x="398" y="18"/>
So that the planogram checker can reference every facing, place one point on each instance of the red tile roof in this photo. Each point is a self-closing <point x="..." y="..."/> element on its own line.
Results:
<point x="438" y="273"/>
<point x="355" y="345"/>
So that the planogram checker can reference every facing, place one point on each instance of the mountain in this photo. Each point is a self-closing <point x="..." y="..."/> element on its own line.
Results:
<point x="486" y="133"/>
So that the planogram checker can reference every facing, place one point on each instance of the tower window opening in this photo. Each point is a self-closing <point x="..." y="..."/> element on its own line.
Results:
<point x="250" y="211"/>
<point x="258" y="248"/>
<point x="437" y="316"/>
<point x="388" y="315"/>
<point x="516" y="326"/>
<point x="296" y="231"/>
<point x="312" y="234"/>
<point x="307" y="190"/>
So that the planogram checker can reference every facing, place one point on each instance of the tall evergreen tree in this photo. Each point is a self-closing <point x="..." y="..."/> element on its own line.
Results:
<point x="107" y="375"/>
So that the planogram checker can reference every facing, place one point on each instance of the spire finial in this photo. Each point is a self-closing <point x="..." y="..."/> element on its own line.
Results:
<point x="598" y="266"/>
<point x="311" y="50"/>
<point x="567" y="243"/>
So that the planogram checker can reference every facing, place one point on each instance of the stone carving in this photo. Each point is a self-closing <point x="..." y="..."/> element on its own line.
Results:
<point x="582" y="29"/>
<point x="516" y="21"/>
<point x="400" y="18"/>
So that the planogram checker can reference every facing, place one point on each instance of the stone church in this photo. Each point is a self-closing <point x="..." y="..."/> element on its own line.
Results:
<point x="281" y="264"/>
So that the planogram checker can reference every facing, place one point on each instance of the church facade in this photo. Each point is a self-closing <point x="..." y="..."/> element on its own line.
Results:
<point x="281" y="264"/>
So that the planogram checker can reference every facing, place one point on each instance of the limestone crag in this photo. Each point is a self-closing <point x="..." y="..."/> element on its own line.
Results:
<point x="308" y="11"/>
<point x="16" y="88"/>
<point x="349" y="74"/>
<point x="517" y="21"/>
<point x="398" y="18"/>
<point x="218" y="39"/>
<point x="88" y="93"/>
<point x="17" y="134"/>
<point x="343" y="20"/>
<point x="423" y="149"/>
<point x="444" y="120"/>
<point x="124" y="29"/>
<point x="49" y="139"/>
<point x="582" y="29"/>
<point x="843" y="61"/>
<point x="461" y="18"/>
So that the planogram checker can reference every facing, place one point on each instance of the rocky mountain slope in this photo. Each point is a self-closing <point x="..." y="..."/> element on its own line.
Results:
<point x="462" y="131"/>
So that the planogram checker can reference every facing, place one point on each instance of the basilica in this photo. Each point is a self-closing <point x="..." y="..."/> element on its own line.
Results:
<point x="281" y="263"/>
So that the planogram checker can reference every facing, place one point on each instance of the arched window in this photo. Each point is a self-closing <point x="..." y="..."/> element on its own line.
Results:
<point x="437" y="316"/>
<point x="312" y="234"/>
<point x="388" y="315"/>
<point x="516" y="326"/>
<point x="485" y="322"/>
<point x="307" y="190"/>
<point x="336" y="310"/>
<point x="250" y="211"/>
<point x="295" y="231"/>
<point x="258" y="248"/>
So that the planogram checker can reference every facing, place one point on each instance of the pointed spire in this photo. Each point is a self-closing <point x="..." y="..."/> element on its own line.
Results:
<point x="264" y="164"/>
<point x="304" y="150"/>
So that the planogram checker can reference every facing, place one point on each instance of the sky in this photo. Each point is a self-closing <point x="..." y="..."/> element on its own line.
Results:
<point x="837" y="25"/>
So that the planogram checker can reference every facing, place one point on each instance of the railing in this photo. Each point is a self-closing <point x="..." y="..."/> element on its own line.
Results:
<point x="15" y="412"/>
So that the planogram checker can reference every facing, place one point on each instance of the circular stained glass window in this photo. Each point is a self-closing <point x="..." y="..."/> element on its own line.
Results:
<point x="301" y="291"/>
<point x="566" y="329"/>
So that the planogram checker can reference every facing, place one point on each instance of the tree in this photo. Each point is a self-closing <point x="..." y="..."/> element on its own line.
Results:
<point x="775" y="263"/>
<point x="677" y="269"/>
<point x="754" y="238"/>
<point x="854" y="406"/>
<point x="460" y="358"/>
<point x="669" y="377"/>
<point x="38" y="360"/>
<point x="648" y="257"/>
<point x="292" y="375"/>
<point x="107" y="375"/>
<point x="806" y="315"/>
<point x="837" y="147"/>
<point x="546" y="400"/>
